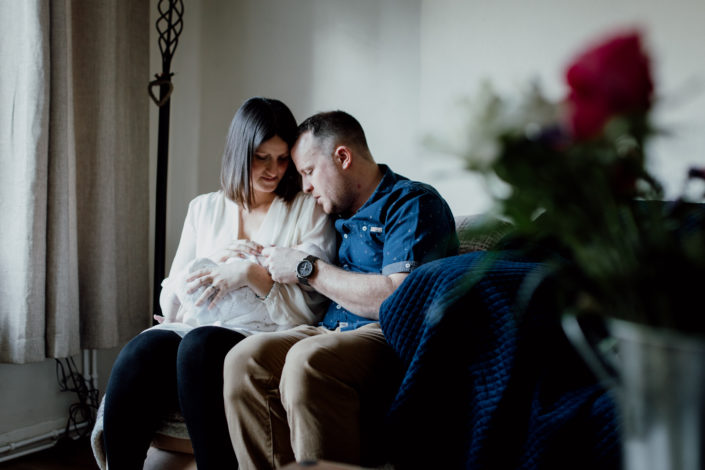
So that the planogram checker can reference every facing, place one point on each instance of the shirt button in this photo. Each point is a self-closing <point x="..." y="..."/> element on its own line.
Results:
<point x="338" y="307"/>
<point x="364" y="228"/>
<point x="345" y="235"/>
<point x="407" y="265"/>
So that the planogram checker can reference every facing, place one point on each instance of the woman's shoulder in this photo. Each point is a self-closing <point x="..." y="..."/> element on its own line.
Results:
<point x="304" y="205"/>
<point x="210" y="203"/>
<point x="303" y="199"/>
<point x="210" y="199"/>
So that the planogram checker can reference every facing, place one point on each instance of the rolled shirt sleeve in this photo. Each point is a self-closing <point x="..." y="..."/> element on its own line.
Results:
<point x="419" y="229"/>
<point x="401" y="226"/>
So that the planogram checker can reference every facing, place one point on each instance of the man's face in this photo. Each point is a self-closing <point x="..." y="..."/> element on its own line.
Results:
<point x="321" y="174"/>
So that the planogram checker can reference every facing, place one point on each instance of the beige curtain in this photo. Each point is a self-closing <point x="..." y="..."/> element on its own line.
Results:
<point x="74" y="202"/>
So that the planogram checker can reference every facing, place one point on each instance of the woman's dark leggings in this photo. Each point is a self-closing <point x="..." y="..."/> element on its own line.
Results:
<point x="158" y="372"/>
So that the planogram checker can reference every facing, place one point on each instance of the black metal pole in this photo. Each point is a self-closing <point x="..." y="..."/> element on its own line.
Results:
<point x="160" y="204"/>
<point x="169" y="25"/>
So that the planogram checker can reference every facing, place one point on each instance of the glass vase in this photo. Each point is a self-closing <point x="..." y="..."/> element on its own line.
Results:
<point x="658" y="379"/>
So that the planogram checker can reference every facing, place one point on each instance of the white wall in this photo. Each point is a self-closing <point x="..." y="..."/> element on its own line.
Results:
<point x="511" y="42"/>
<point x="314" y="55"/>
<point x="401" y="67"/>
<point x="32" y="403"/>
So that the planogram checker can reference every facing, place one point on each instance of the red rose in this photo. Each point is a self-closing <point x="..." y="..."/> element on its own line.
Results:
<point x="606" y="80"/>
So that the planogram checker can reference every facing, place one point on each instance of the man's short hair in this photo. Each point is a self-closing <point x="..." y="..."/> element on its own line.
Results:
<point x="334" y="128"/>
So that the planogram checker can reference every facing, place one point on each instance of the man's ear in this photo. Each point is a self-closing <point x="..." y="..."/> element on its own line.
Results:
<point x="343" y="156"/>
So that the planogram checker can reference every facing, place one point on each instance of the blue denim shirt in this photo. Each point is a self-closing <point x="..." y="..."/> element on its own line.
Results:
<point x="401" y="226"/>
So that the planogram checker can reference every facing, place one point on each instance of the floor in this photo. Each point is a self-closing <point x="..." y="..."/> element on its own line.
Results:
<point x="65" y="455"/>
<point x="77" y="455"/>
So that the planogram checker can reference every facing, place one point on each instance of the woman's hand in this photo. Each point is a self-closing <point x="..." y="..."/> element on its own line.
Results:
<point x="219" y="280"/>
<point x="237" y="249"/>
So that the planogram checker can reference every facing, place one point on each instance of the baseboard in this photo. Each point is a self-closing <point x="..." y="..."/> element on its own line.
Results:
<point x="24" y="441"/>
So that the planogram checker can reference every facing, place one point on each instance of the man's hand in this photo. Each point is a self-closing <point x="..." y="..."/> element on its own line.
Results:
<point x="281" y="263"/>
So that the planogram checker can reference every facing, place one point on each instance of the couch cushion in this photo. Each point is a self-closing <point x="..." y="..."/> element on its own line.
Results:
<point x="479" y="232"/>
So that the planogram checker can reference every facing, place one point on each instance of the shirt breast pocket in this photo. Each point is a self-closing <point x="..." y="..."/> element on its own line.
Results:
<point x="372" y="234"/>
<point x="368" y="251"/>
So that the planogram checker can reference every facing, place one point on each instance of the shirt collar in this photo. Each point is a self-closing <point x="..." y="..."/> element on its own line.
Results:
<point x="389" y="178"/>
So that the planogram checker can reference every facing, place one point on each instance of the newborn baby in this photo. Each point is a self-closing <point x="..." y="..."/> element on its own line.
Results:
<point x="236" y="303"/>
<point x="237" y="309"/>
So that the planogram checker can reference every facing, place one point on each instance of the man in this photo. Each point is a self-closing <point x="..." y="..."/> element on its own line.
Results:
<point x="320" y="392"/>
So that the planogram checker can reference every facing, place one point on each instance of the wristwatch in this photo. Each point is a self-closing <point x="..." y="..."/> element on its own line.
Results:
<point x="305" y="269"/>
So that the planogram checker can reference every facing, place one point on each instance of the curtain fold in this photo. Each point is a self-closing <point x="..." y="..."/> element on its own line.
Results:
<point x="74" y="185"/>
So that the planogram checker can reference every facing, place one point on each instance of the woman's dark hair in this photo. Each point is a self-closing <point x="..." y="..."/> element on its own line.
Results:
<point x="257" y="120"/>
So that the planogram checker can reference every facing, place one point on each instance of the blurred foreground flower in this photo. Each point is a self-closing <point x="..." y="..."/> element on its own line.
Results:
<point x="610" y="79"/>
<point x="578" y="180"/>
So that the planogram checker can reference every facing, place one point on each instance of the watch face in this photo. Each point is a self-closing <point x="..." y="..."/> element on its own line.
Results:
<point x="304" y="268"/>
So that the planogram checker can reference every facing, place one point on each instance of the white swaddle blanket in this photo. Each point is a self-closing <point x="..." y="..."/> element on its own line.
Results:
<point x="240" y="310"/>
<point x="237" y="304"/>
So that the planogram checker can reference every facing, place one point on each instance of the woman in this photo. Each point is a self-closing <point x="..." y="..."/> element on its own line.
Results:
<point x="178" y="365"/>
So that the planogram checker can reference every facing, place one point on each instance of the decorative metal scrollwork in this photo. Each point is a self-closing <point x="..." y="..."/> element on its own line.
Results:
<point x="169" y="26"/>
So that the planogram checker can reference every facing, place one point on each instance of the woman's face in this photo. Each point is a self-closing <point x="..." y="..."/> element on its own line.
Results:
<point x="269" y="163"/>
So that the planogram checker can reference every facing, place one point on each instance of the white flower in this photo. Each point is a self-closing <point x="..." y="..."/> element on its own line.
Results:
<point x="490" y="117"/>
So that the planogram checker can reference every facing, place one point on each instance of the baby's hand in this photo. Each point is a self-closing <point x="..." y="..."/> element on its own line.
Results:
<point x="238" y="249"/>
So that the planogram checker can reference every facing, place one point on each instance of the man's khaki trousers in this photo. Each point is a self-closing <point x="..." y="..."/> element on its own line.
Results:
<point x="309" y="394"/>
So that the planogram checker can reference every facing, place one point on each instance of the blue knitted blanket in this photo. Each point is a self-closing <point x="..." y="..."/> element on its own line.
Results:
<point x="490" y="381"/>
